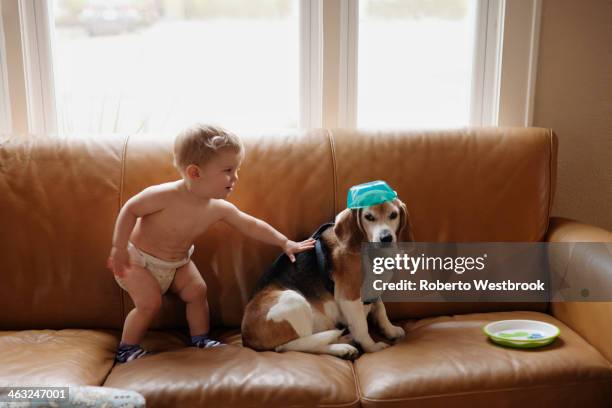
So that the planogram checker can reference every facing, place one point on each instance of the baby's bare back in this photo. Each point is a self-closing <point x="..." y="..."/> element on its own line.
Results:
<point x="169" y="232"/>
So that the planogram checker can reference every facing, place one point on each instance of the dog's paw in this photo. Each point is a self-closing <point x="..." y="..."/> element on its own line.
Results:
<point x="394" y="333"/>
<point x="375" y="347"/>
<point x="345" y="351"/>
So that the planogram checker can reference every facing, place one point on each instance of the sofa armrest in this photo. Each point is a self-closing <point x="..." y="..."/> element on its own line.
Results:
<point x="592" y="320"/>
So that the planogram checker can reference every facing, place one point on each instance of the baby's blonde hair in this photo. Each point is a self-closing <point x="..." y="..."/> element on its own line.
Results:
<point x="199" y="143"/>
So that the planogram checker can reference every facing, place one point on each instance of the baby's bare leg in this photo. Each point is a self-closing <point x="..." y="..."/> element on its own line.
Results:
<point x="146" y="295"/>
<point x="190" y="287"/>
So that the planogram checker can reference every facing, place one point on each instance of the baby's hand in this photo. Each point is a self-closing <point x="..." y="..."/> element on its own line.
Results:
<point x="292" y="247"/>
<point x="118" y="261"/>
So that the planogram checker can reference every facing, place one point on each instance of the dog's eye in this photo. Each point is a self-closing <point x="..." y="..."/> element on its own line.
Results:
<point x="369" y="217"/>
<point x="393" y="215"/>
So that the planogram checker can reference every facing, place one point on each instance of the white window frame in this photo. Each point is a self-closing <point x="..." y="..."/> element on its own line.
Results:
<point x="519" y="62"/>
<point x="36" y="27"/>
<point x="484" y="101"/>
<point x="311" y="97"/>
<point x="6" y="121"/>
<point x="502" y="93"/>
<point x="349" y="63"/>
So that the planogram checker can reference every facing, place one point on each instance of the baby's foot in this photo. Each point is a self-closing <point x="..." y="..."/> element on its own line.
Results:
<point x="203" y="341"/>
<point x="129" y="352"/>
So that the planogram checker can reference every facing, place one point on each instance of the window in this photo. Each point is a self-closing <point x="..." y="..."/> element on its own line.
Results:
<point x="145" y="65"/>
<point x="106" y="66"/>
<point x="415" y="62"/>
<point x="5" y="106"/>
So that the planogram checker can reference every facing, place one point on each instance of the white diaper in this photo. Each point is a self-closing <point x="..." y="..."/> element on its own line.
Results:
<point x="161" y="270"/>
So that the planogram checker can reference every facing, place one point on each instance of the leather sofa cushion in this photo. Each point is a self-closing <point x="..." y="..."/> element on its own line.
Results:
<point x="448" y="361"/>
<point x="462" y="185"/>
<point x="56" y="358"/>
<point x="59" y="202"/>
<point x="233" y="376"/>
<point x="418" y="310"/>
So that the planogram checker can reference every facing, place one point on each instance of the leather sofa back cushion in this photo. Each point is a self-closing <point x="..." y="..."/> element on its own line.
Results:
<point x="60" y="200"/>
<point x="58" y="204"/>
<point x="467" y="185"/>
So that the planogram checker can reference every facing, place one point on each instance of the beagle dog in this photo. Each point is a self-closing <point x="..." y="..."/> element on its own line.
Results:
<point x="300" y="306"/>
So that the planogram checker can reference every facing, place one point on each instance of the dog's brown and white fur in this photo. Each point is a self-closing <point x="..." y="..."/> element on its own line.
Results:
<point x="292" y="310"/>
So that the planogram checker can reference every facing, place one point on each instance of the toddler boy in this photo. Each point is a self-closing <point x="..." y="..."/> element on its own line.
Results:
<point x="155" y="231"/>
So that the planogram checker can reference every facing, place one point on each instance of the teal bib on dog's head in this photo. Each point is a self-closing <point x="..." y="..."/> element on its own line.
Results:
<point x="368" y="194"/>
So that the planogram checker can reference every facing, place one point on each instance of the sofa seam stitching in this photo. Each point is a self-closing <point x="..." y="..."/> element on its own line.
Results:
<point x="108" y="374"/>
<point x="549" y="198"/>
<point x="550" y="186"/>
<point x="485" y="391"/>
<point x="332" y="148"/>
<point x="356" y="379"/>
<point x="348" y="404"/>
<point x="121" y="186"/>
<point x="550" y="192"/>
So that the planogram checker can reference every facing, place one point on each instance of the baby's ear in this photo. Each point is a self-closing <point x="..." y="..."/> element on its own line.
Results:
<point x="192" y="171"/>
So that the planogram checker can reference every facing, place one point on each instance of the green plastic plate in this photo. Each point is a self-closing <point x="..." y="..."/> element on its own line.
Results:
<point x="521" y="333"/>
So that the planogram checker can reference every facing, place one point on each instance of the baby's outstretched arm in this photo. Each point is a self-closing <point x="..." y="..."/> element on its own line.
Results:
<point x="262" y="231"/>
<point x="148" y="201"/>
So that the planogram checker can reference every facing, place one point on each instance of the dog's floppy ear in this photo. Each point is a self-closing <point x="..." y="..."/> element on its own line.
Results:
<point x="348" y="228"/>
<point x="404" y="231"/>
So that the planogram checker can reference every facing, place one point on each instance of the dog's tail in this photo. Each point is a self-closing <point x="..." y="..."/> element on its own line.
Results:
<point x="312" y="343"/>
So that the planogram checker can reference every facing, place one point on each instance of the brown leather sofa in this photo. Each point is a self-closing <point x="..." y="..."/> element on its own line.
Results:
<point x="61" y="311"/>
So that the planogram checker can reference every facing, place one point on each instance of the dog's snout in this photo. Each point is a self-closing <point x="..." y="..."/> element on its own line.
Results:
<point x="386" y="236"/>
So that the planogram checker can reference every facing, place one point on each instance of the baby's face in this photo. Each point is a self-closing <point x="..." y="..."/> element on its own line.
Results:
<point x="219" y="175"/>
